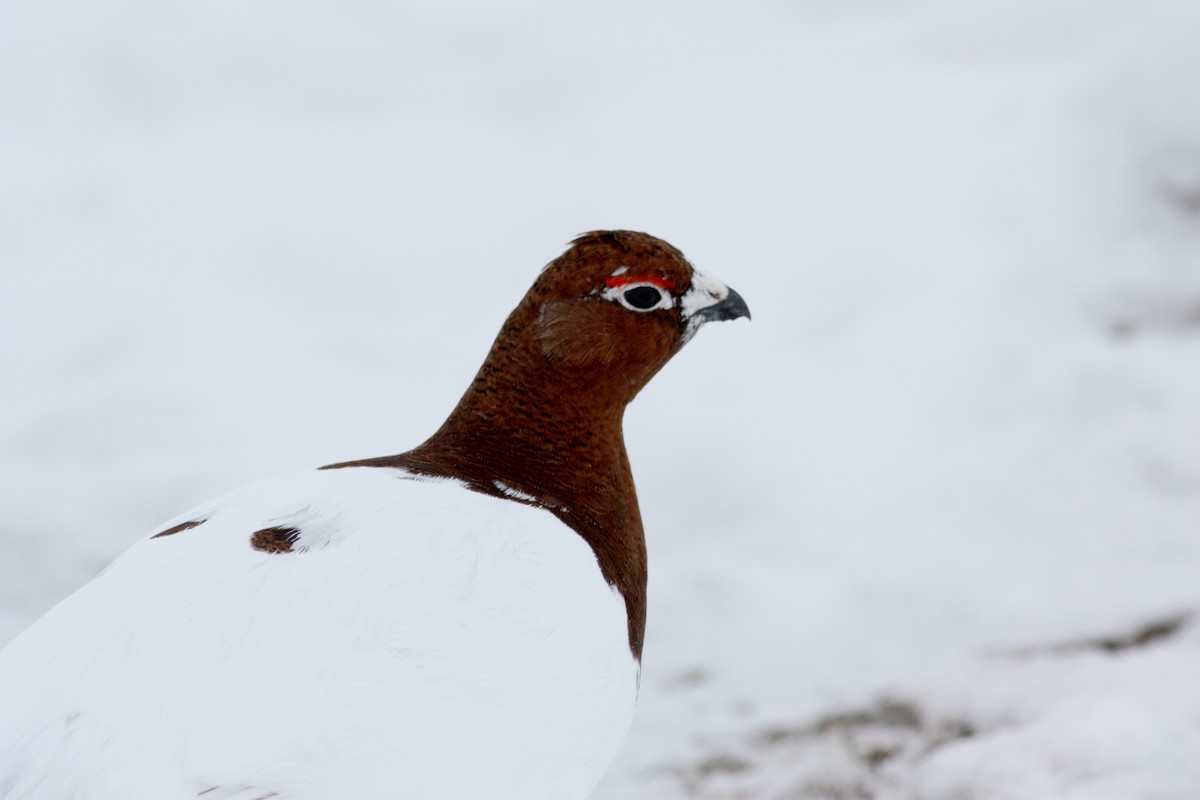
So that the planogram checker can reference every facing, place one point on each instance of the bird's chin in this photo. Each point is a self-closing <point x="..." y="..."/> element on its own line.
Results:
<point x="690" y="328"/>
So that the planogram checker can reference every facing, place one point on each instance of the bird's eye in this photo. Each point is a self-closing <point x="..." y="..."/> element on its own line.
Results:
<point x="643" y="298"/>
<point x="639" y="292"/>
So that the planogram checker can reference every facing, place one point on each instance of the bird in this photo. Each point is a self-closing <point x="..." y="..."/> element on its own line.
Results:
<point x="462" y="620"/>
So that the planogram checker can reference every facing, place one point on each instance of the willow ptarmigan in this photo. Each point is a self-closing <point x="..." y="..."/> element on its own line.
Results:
<point x="463" y="620"/>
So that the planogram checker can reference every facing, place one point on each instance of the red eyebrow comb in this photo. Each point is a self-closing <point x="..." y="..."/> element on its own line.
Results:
<point x="625" y="280"/>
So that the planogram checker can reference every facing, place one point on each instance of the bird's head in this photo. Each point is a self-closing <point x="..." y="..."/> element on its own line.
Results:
<point x="617" y="305"/>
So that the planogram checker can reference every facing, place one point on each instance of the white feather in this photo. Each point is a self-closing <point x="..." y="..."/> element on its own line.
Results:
<point x="421" y="641"/>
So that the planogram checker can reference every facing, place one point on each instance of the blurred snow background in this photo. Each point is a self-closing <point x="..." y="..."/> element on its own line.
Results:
<point x="928" y="527"/>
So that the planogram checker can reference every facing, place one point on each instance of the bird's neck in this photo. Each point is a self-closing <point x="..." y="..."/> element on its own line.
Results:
<point x="551" y="435"/>
<point x="533" y="433"/>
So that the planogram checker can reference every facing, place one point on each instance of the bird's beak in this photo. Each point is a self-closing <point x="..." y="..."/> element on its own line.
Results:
<point x="732" y="307"/>
<point x="709" y="300"/>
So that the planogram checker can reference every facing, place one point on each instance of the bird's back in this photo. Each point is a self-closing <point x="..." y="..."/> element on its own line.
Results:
<point x="332" y="633"/>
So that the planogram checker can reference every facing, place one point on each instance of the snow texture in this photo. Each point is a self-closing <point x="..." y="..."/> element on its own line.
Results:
<point x="929" y="527"/>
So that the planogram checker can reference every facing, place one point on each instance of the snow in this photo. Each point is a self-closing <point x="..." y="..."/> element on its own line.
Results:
<point x="905" y="527"/>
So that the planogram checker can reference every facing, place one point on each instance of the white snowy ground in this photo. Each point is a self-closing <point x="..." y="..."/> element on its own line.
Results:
<point x="928" y="527"/>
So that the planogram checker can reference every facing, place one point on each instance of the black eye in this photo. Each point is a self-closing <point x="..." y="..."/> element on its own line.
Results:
<point x="643" y="297"/>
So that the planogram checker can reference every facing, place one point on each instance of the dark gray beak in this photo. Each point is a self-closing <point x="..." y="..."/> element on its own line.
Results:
<point x="731" y="307"/>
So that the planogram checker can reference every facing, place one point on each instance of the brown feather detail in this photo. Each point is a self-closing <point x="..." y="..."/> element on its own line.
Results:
<point x="578" y="333"/>
<point x="543" y="415"/>
<point x="183" y="526"/>
<point x="598" y="332"/>
<point x="274" y="540"/>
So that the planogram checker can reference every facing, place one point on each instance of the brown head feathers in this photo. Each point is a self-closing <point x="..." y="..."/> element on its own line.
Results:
<point x="541" y="422"/>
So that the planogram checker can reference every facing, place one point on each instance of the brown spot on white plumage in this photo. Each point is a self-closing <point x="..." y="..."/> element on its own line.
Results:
<point x="274" y="540"/>
<point x="183" y="526"/>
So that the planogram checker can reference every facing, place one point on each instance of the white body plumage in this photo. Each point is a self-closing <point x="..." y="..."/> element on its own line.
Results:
<point x="420" y="641"/>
